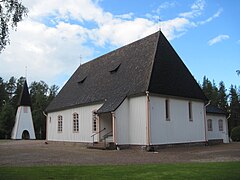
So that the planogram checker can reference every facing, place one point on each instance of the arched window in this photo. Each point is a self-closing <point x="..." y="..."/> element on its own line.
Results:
<point x="220" y="124"/>
<point x="209" y="125"/>
<point x="60" y="119"/>
<point x="75" y="122"/>
<point x="94" y="121"/>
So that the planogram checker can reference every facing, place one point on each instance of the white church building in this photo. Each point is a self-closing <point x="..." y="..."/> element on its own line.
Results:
<point x="140" y="94"/>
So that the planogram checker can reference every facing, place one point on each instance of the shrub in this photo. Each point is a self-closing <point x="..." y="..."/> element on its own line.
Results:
<point x="235" y="133"/>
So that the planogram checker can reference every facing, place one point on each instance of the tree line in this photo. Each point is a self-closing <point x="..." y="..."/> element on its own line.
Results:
<point x="229" y="101"/>
<point x="41" y="95"/>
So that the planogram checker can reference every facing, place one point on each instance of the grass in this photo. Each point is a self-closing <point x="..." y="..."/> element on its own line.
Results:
<point x="219" y="170"/>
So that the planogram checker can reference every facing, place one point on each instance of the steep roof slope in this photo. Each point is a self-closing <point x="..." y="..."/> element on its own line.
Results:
<point x="25" y="99"/>
<point x="170" y="76"/>
<point x="147" y="64"/>
<point x="109" y="78"/>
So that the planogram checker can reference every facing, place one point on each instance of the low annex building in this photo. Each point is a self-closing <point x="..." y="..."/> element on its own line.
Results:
<point x="140" y="94"/>
<point x="217" y="125"/>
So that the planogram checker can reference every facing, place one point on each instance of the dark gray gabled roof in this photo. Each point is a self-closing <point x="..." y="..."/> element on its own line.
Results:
<point x="215" y="110"/>
<point x="25" y="99"/>
<point x="149" y="64"/>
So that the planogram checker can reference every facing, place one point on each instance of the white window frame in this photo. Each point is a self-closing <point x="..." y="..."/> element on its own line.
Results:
<point x="60" y="123"/>
<point x="220" y="125"/>
<point x="209" y="125"/>
<point x="75" y="122"/>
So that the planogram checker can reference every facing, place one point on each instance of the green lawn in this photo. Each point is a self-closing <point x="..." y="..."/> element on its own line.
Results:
<point x="223" y="170"/>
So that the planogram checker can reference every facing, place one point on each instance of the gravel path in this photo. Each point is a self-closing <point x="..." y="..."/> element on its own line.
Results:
<point x="31" y="153"/>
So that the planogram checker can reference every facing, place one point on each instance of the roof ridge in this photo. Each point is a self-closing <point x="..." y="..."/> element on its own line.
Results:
<point x="25" y="99"/>
<point x="154" y="57"/>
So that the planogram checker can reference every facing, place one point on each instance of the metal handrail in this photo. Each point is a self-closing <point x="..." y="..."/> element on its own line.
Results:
<point x="97" y="133"/>
<point x="105" y="136"/>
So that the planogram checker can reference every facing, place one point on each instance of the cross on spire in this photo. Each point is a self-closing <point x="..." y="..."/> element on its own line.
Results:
<point x="80" y="60"/>
<point x="26" y="72"/>
<point x="159" y="23"/>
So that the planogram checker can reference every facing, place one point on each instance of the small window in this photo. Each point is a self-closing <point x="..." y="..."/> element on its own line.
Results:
<point x="94" y="121"/>
<point x="115" y="68"/>
<point x="220" y="125"/>
<point x="60" y="123"/>
<point x="81" y="80"/>
<point x="75" y="123"/>
<point x="167" y="110"/>
<point x="209" y="125"/>
<point x="190" y="111"/>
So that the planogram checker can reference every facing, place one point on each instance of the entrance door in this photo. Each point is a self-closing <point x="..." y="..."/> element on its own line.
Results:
<point x="25" y="135"/>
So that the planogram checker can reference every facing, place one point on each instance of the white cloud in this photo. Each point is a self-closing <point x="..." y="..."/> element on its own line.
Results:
<point x="125" y="16"/>
<point x="47" y="52"/>
<point x="54" y="36"/>
<point x="196" y="9"/>
<point x="218" y="39"/>
<point x="164" y="5"/>
<point x="217" y="14"/>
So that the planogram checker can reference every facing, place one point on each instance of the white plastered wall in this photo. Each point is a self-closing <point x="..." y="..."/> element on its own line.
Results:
<point x="215" y="133"/>
<point x="23" y="121"/>
<point x="67" y="134"/>
<point x="122" y="121"/>
<point x="179" y="129"/>
<point x="130" y="119"/>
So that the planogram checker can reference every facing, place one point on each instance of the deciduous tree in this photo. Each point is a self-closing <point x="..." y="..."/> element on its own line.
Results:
<point x="11" y="12"/>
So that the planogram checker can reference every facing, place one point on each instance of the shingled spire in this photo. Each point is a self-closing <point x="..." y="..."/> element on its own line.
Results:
<point x="23" y="127"/>
<point x="25" y="99"/>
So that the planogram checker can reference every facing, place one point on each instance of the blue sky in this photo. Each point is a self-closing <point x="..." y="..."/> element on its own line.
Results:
<point x="58" y="35"/>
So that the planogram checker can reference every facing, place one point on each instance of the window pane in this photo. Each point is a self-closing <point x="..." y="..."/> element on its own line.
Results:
<point x="60" y="123"/>
<point x="75" y="123"/>
<point x="209" y="124"/>
<point x="94" y="121"/>
<point x="167" y="109"/>
<point x="190" y="111"/>
<point x="220" y="125"/>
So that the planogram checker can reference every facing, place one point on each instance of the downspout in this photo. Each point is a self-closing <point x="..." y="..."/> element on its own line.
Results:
<point x="227" y="127"/>
<point x="46" y="124"/>
<point x="205" y="120"/>
<point x="148" y="119"/>
<point x="114" y="127"/>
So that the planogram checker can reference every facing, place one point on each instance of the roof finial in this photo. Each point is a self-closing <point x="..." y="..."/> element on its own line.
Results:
<point x="25" y="72"/>
<point x="80" y="61"/>
<point x="159" y="23"/>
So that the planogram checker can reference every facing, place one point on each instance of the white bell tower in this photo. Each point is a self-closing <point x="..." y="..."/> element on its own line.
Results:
<point x="23" y="127"/>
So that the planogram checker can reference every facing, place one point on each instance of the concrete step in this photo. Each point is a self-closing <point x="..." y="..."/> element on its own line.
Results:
<point x="103" y="146"/>
<point x="97" y="145"/>
<point x="109" y="139"/>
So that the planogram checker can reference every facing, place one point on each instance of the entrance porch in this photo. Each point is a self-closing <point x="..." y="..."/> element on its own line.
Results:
<point x="104" y="134"/>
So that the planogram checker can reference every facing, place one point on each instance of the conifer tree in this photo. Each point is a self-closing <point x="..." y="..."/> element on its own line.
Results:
<point x="234" y="108"/>
<point x="7" y="118"/>
<point x="222" y="97"/>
